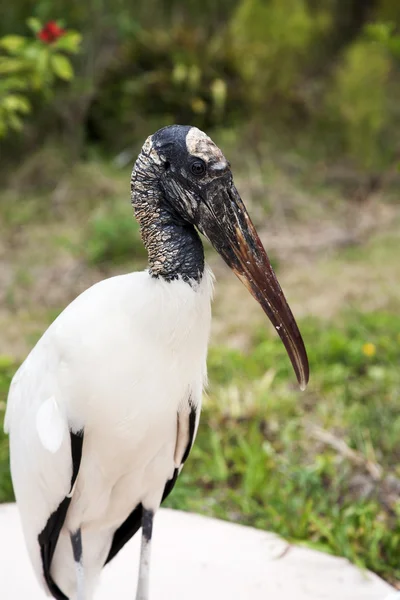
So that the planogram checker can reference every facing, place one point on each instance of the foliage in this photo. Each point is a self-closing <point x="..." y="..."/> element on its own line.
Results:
<point x="312" y="74"/>
<point x="359" y="99"/>
<point x="114" y="237"/>
<point x="32" y="66"/>
<point x="385" y="35"/>
<point x="179" y="75"/>
<point x="276" y="38"/>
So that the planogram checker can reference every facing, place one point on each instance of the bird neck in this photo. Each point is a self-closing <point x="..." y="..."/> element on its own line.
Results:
<point x="174" y="247"/>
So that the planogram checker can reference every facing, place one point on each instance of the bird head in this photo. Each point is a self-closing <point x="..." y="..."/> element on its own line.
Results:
<point x="197" y="184"/>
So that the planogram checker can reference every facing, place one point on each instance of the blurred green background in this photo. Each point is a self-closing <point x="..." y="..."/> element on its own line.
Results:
<point x="304" y="99"/>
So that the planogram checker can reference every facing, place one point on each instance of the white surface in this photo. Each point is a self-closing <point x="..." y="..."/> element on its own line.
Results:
<point x="195" y="558"/>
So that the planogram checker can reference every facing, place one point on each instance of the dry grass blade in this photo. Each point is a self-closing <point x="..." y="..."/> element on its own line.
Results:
<point x="338" y="444"/>
<point x="390" y="485"/>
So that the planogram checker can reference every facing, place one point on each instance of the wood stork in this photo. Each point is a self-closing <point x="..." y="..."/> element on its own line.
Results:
<point x="103" y="412"/>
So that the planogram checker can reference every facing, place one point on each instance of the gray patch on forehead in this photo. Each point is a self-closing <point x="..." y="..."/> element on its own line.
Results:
<point x="150" y="152"/>
<point x="147" y="146"/>
<point x="199" y="144"/>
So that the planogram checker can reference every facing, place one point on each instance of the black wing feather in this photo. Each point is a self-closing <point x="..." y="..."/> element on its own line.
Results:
<point x="48" y="537"/>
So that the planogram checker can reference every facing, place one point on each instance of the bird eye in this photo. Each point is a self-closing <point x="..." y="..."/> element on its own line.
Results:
<point x="198" y="167"/>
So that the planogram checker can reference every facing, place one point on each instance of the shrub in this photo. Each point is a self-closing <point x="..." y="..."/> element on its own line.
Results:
<point x="32" y="66"/>
<point x="358" y="99"/>
<point x="275" y="37"/>
<point x="114" y="236"/>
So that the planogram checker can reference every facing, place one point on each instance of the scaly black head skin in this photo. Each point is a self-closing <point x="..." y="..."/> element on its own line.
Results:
<point x="182" y="181"/>
<point x="186" y="164"/>
<point x="193" y="165"/>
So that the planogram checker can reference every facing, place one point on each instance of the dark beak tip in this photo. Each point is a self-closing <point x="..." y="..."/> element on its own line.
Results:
<point x="296" y="351"/>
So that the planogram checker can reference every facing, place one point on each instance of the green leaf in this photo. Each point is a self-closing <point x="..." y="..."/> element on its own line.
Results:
<point x="380" y="32"/>
<point x="394" y="46"/>
<point x="34" y="24"/>
<point x="12" y="43"/>
<point x="69" y="42"/>
<point x="15" y="122"/>
<point x="33" y="51"/>
<point x="219" y="93"/>
<point x="16" y="103"/>
<point x="42" y="62"/>
<point x="13" y="83"/>
<point x="62" y="67"/>
<point x="11" y="65"/>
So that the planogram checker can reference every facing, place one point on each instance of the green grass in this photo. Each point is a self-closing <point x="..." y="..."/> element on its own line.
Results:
<point x="7" y="369"/>
<point x="256" y="462"/>
<point x="259" y="461"/>
<point x="113" y="237"/>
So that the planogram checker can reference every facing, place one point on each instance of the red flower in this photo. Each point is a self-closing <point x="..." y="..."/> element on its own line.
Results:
<point x="50" y="32"/>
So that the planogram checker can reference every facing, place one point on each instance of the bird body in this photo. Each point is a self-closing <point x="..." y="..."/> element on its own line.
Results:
<point x="103" y="412"/>
<point x="92" y="372"/>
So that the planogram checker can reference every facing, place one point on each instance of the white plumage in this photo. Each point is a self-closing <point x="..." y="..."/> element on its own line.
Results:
<point x="120" y="362"/>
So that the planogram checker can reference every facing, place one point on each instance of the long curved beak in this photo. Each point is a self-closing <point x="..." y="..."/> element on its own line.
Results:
<point x="224" y="220"/>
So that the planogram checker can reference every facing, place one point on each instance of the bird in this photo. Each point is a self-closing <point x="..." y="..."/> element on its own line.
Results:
<point x="104" y="411"/>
